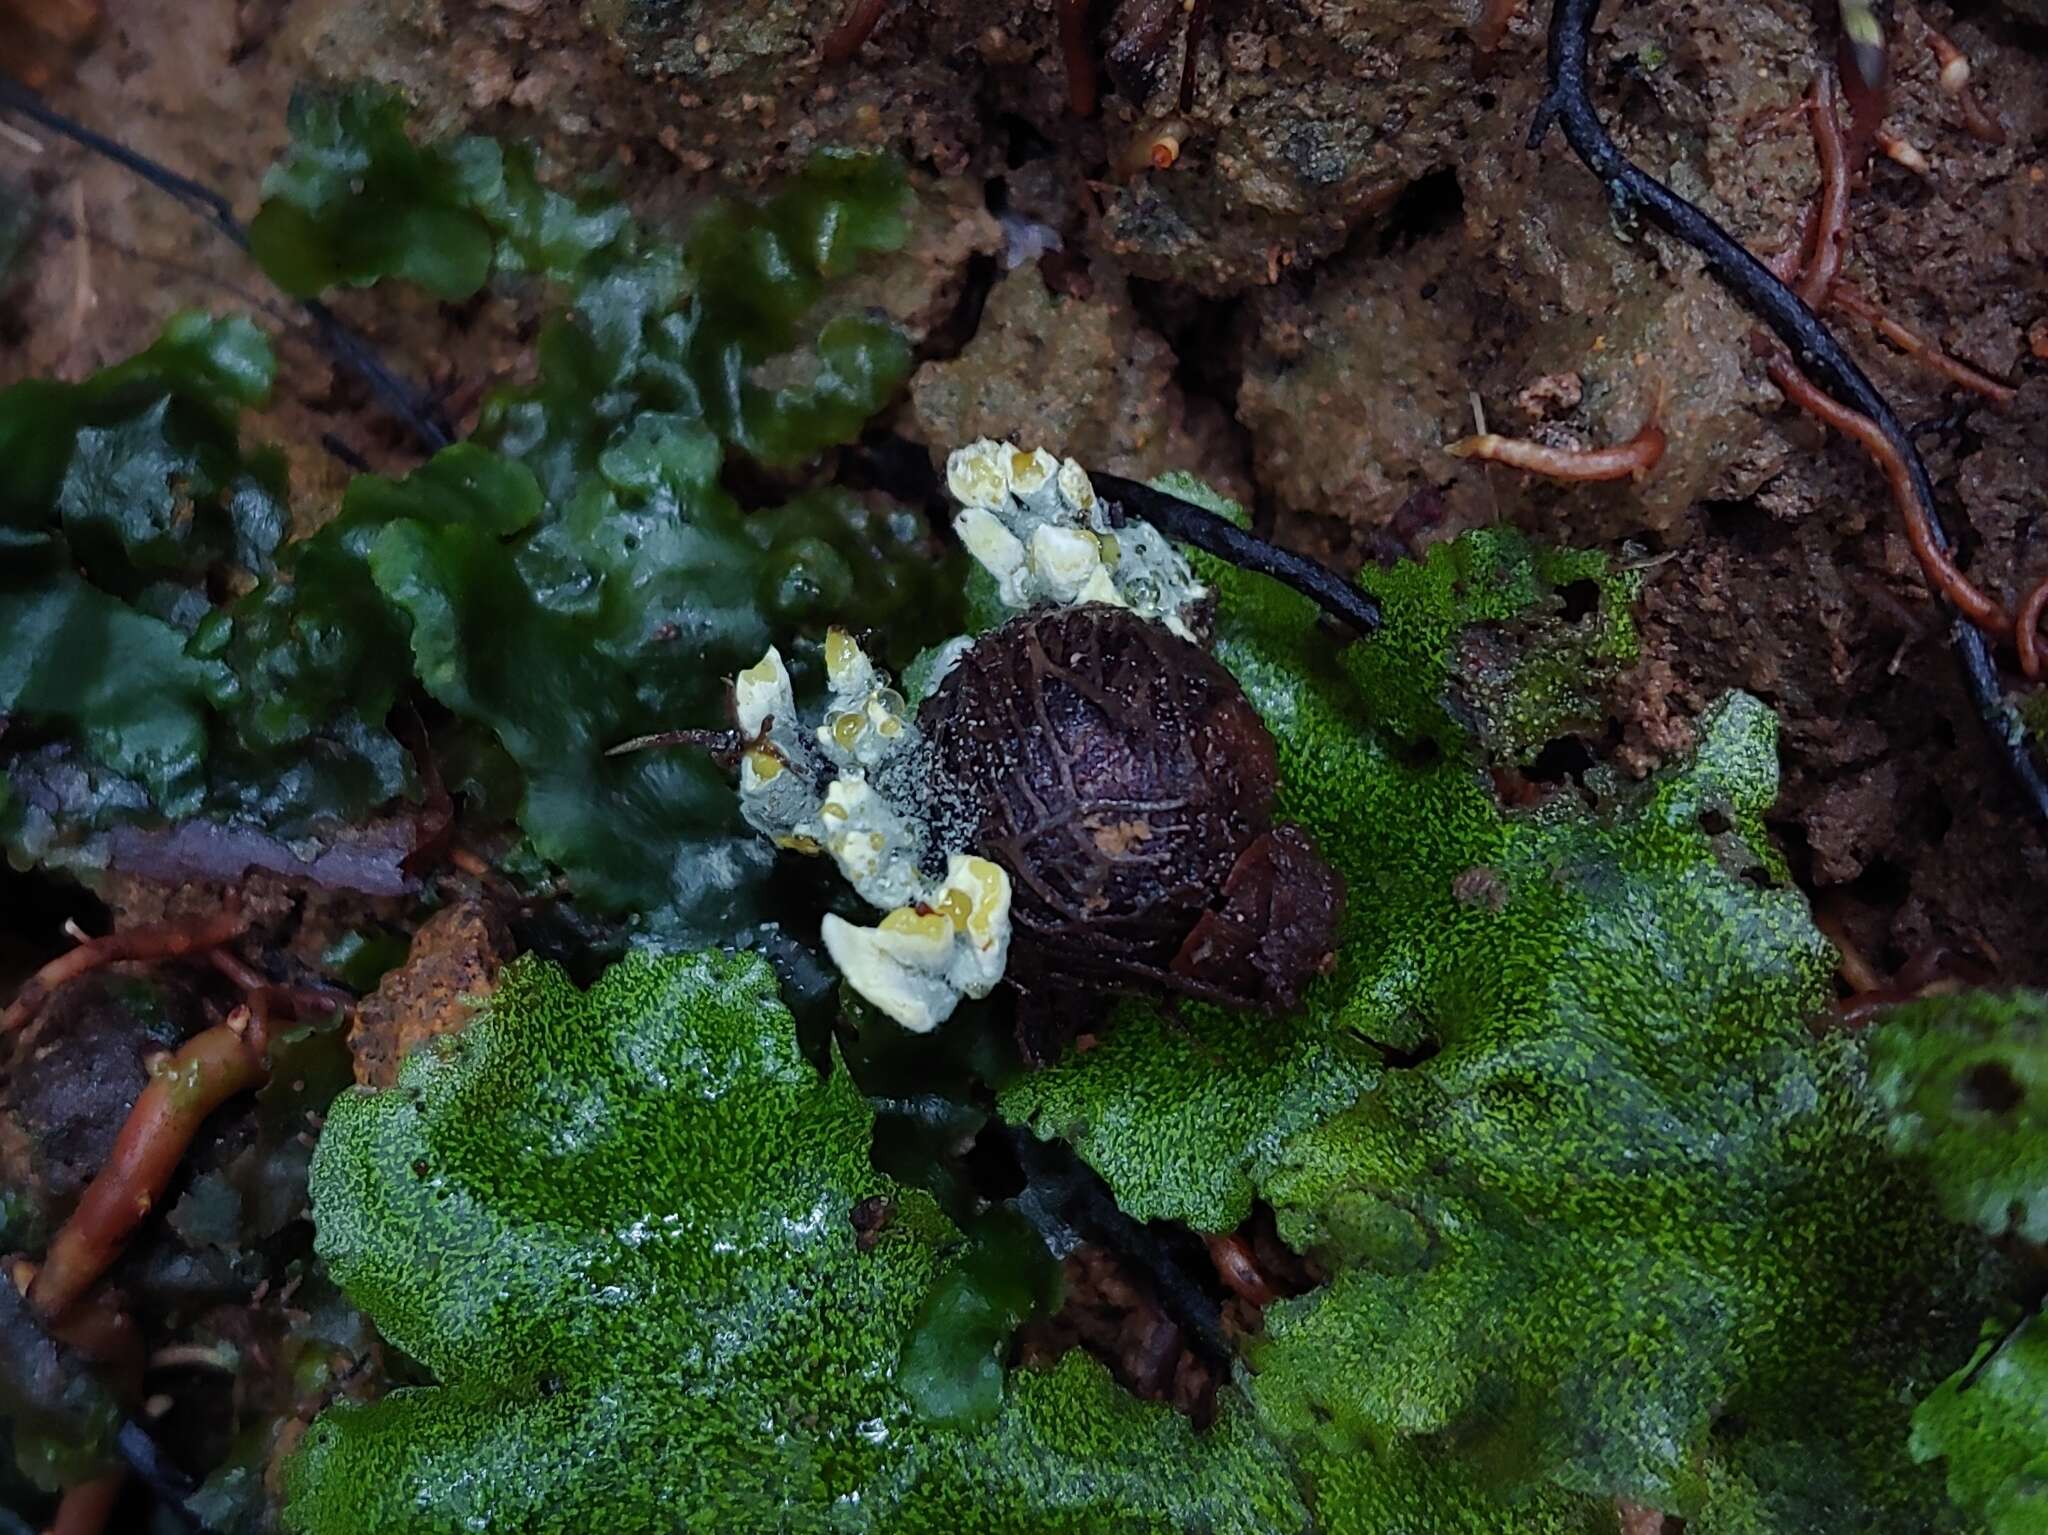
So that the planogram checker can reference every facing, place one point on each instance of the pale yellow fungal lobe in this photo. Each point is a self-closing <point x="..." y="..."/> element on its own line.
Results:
<point x="840" y="654"/>
<point x="1064" y="559"/>
<point x="1075" y="487"/>
<point x="958" y="906"/>
<point x="921" y="959"/>
<point x="975" y="475"/>
<point x="765" y="672"/>
<point x="1034" y="476"/>
<point x="762" y="693"/>
<point x="847" y="728"/>
<point x="930" y="926"/>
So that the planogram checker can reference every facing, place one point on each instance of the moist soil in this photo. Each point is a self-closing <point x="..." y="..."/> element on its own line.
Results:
<point x="1351" y="259"/>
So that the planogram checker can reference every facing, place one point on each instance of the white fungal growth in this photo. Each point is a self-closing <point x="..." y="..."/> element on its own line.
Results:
<point x="1037" y="526"/>
<point x="830" y="789"/>
<point x="920" y="960"/>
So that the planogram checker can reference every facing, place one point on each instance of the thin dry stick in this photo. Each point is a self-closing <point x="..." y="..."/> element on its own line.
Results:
<point x="163" y="940"/>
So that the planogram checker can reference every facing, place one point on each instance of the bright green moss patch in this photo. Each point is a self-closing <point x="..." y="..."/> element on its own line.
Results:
<point x="1180" y="1115"/>
<point x="1589" y="1190"/>
<point x="617" y="1227"/>
<point x="1965" y="1081"/>
<point x="1988" y="1424"/>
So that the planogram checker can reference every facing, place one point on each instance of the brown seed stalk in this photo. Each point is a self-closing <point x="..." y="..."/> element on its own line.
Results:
<point x="1856" y="305"/>
<point x="1955" y="81"/>
<point x="1831" y="223"/>
<point x="1620" y="461"/>
<point x="2028" y="635"/>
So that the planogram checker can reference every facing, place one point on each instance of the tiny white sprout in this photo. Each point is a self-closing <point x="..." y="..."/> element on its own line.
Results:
<point x="974" y="474"/>
<point x="762" y="693"/>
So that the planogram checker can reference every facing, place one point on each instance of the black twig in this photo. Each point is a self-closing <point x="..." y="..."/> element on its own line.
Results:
<point x="409" y="404"/>
<point x="1197" y="525"/>
<point x="155" y="1470"/>
<point x="349" y="457"/>
<point x="1568" y="103"/>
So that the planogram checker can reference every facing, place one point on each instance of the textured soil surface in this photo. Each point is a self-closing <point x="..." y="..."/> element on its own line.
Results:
<point x="1351" y="256"/>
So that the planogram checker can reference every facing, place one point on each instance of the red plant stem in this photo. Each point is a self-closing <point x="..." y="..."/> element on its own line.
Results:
<point x="162" y="940"/>
<point x="245" y="976"/>
<point x="207" y="1070"/>
<point x="1985" y="612"/>
<point x="2028" y="634"/>
<point x="86" y="1508"/>
<point x="1624" y="460"/>
<point x="252" y="984"/>
<point x="1921" y="350"/>
<point x="1831" y="223"/>
<point x="1823" y="242"/>
<point x="845" y="40"/>
<point x="1080" y="60"/>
